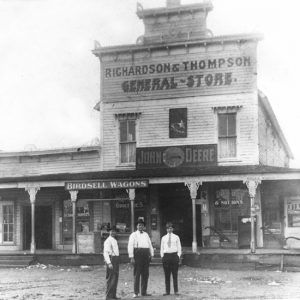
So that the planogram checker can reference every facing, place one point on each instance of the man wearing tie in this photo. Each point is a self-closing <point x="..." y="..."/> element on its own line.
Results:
<point x="140" y="251"/>
<point x="111" y="258"/>
<point x="170" y="252"/>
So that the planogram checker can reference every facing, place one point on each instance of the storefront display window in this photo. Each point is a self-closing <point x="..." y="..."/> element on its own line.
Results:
<point x="229" y="204"/>
<point x="293" y="212"/>
<point x="82" y="219"/>
<point x="122" y="212"/>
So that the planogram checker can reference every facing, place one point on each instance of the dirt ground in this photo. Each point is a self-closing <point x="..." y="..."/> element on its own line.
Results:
<point x="88" y="283"/>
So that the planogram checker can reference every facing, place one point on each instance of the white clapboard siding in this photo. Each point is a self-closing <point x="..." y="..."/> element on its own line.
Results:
<point x="32" y="164"/>
<point x="244" y="77"/>
<point x="202" y="124"/>
<point x="271" y="149"/>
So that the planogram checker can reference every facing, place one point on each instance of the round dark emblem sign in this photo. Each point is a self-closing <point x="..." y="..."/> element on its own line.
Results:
<point x="173" y="157"/>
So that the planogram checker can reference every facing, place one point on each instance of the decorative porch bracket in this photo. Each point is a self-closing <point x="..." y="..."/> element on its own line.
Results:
<point x="131" y="194"/>
<point x="73" y="200"/>
<point x="32" y="190"/>
<point x="252" y="184"/>
<point x="193" y="186"/>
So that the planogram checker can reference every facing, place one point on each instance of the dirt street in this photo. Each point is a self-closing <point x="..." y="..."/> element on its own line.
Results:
<point x="88" y="283"/>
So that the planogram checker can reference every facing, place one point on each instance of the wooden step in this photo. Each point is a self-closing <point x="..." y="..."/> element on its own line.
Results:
<point x="15" y="261"/>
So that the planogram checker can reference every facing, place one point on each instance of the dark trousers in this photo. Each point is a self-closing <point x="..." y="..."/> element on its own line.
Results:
<point x="112" y="277"/>
<point x="141" y="269"/>
<point x="170" y="264"/>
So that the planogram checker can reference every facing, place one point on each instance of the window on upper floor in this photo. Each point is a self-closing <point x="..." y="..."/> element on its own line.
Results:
<point x="127" y="140"/>
<point x="227" y="137"/>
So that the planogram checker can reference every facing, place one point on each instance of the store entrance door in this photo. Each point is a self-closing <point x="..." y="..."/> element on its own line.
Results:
<point x="176" y="207"/>
<point x="43" y="227"/>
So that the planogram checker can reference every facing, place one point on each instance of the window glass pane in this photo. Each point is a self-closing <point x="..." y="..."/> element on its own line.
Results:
<point x="223" y="148"/>
<point x="127" y="141"/>
<point x="231" y="124"/>
<point x="8" y="225"/>
<point x="222" y="123"/>
<point x="68" y="208"/>
<point x="131" y="148"/>
<point x="231" y="142"/>
<point x="222" y="221"/>
<point x="234" y="219"/>
<point x="123" y="131"/>
<point x="227" y="147"/>
<point x="131" y="130"/>
<point x="10" y="218"/>
<point x="123" y="148"/>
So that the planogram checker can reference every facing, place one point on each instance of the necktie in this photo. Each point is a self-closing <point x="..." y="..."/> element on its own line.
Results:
<point x="169" y="241"/>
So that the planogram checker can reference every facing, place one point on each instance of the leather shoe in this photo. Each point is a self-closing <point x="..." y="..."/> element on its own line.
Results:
<point x="166" y="294"/>
<point x="176" y="293"/>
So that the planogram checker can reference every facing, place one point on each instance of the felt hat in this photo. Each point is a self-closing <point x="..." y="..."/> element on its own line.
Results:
<point x="140" y="221"/>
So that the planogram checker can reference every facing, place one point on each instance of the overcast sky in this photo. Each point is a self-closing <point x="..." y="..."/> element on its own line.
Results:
<point x="49" y="79"/>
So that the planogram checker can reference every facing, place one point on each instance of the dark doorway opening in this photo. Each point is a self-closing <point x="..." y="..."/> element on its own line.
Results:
<point x="176" y="207"/>
<point x="43" y="227"/>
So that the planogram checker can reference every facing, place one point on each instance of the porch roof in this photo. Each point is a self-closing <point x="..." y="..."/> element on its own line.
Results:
<point x="219" y="173"/>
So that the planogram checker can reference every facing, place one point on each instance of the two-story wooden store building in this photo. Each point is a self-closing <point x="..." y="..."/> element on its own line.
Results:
<point x="186" y="136"/>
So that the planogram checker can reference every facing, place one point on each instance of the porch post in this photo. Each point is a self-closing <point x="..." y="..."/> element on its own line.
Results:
<point x="193" y="188"/>
<point x="74" y="199"/>
<point x="252" y="184"/>
<point x="32" y="196"/>
<point x="131" y="194"/>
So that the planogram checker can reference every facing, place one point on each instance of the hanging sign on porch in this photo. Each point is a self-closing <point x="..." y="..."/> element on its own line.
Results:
<point x="107" y="184"/>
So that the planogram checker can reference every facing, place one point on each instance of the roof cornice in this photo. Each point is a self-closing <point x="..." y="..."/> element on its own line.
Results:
<point x="142" y="13"/>
<point x="238" y="38"/>
<point x="49" y="151"/>
<point x="268" y="108"/>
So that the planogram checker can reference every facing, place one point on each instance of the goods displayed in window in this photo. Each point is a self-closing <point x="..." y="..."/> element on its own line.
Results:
<point x="293" y="212"/>
<point x="229" y="204"/>
<point x="82" y="219"/>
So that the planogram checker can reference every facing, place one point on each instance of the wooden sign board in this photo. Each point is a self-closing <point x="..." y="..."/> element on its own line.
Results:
<point x="148" y="77"/>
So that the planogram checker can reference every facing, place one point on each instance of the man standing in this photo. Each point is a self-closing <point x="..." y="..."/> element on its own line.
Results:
<point x="140" y="251"/>
<point x="111" y="257"/>
<point x="170" y="251"/>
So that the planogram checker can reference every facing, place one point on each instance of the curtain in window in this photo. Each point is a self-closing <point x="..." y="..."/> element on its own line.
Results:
<point x="227" y="135"/>
<point x="127" y="141"/>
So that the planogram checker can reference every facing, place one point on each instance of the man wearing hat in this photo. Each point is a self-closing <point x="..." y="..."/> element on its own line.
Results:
<point x="111" y="258"/>
<point x="140" y="251"/>
<point x="170" y="251"/>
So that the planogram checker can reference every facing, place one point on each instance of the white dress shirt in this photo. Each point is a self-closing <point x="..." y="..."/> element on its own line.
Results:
<point x="110" y="248"/>
<point x="174" y="247"/>
<point x="139" y="240"/>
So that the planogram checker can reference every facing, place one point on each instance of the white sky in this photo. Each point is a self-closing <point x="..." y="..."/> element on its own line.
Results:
<point x="49" y="79"/>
